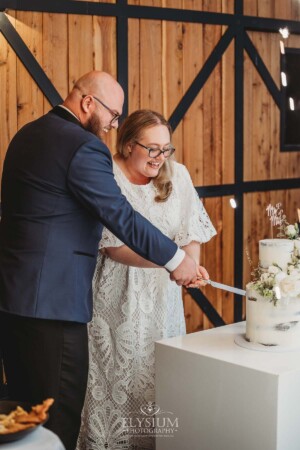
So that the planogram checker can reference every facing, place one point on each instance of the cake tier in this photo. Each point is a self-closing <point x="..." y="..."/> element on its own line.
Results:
<point x="275" y="251"/>
<point x="270" y="324"/>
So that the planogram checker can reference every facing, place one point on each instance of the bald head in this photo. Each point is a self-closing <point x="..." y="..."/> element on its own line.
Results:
<point x="86" y="93"/>
<point x="98" y="83"/>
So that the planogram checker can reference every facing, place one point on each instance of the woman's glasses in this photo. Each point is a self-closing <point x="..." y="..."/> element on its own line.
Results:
<point x="154" y="152"/>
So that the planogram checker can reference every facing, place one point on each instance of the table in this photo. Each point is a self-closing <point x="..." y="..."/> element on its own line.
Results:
<point x="41" y="439"/>
<point x="226" y="397"/>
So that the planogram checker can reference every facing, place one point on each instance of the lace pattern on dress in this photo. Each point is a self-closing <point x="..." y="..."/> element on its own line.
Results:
<point x="133" y="308"/>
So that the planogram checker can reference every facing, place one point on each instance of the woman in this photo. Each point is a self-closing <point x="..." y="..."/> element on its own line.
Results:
<point x="135" y="302"/>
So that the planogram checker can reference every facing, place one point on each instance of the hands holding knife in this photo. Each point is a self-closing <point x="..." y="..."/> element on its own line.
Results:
<point x="203" y="279"/>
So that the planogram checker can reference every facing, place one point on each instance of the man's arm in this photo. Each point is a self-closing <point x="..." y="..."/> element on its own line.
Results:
<point x="125" y="255"/>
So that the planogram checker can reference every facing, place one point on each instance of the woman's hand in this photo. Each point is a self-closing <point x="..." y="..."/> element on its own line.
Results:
<point x="202" y="275"/>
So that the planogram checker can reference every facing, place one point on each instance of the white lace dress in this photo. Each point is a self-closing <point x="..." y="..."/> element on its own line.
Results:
<point x="134" y="307"/>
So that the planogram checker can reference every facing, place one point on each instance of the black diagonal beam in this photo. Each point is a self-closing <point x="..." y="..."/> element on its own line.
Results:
<point x="29" y="61"/>
<point x="201" y="78"/>
<point x="208" y="309"/>
<point x="262" y="69"/>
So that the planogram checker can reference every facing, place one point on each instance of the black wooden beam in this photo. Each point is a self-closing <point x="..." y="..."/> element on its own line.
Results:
<point x="239" y="163"/>
<point x="245" y="187"/>
<point x="270" y="25"/>
<point x="185" y="15"/>
<point x="109" y="9"/>
<point x="208" y="309"/>
<point x="201" y="78"/>
<point x="238" y="7"/>
<point x="61" y="6"/>
<point x="29" y="61"/>
<point x="122" y="53"/>
<point x="151" y="12"/>
<point x="262" y="69"/>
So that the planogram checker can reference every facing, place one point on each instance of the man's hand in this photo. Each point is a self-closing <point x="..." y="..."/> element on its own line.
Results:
<point x="186" y="272"/>
<point x="202" y="275"/>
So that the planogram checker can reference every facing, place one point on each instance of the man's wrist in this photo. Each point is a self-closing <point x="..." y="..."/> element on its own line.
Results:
<point x="176" y="260"/>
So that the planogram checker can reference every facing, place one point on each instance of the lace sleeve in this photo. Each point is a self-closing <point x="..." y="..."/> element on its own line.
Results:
<point x="109" y="240"/>
<point x="195" y="224"/>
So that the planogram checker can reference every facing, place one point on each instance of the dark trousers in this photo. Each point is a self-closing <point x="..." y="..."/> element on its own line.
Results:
<point x="47" y="358"/>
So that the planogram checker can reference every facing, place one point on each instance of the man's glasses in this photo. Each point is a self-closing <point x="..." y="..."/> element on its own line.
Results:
<point x="154" y="152"/>
<point x="115" y="116"/>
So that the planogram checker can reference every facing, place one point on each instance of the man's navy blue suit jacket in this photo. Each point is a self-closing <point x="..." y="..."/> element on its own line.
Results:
<point x="58" y="190"/>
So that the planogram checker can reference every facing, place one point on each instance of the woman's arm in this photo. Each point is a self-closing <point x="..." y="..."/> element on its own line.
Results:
<point x="128" y="257"/>
<point x="125" y="255"/>
<point x="193" y="250"/>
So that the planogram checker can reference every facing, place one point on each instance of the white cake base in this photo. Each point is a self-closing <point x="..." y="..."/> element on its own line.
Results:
<point x="240" y="339"/>
<point x="272" y="325"/>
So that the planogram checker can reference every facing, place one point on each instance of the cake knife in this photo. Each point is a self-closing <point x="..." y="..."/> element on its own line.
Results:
<point x="225" y="287"/>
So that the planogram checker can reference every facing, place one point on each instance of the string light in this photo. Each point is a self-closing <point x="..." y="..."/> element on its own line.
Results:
<point x="233" y="203"/>
<point x="283" y="79"/>
<point x="284" y="32"/>
<point x="292" y="104"/>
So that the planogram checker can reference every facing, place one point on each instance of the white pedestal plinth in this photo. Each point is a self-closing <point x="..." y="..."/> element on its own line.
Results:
<point x="227" y="397"/>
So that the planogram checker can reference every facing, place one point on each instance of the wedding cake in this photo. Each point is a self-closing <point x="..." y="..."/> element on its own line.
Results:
<point x="273" y="299"/>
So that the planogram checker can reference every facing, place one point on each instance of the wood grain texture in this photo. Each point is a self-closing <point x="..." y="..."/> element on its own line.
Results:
<point x="55" y="49"/>
<point x="8" y="95"/>
<point x="163" y="60"/>
<point x="29" y="97"/>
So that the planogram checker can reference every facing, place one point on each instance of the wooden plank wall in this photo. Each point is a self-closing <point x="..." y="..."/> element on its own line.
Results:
<point x="164" y="58"/>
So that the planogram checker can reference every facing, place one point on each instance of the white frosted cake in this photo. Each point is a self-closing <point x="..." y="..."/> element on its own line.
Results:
<point x="273" y="301"/>
<point x="275" y="251"/>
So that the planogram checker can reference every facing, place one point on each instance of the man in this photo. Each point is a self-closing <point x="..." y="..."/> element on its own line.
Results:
<point x="58" y="191"/>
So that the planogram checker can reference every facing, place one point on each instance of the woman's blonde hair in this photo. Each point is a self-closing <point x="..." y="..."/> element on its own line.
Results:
<point x="131" y="131"/>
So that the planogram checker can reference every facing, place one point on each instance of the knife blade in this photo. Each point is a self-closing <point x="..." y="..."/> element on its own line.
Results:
<point x="225" y="287"/>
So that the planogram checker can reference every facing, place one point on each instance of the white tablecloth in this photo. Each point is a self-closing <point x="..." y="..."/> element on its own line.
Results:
<point x="40" y="439"/>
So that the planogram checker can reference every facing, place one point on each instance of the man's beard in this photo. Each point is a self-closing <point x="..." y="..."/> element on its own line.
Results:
<point x="95" y="126"/>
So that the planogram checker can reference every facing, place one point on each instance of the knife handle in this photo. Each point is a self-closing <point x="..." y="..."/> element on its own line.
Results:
<point x="203" y="279"/>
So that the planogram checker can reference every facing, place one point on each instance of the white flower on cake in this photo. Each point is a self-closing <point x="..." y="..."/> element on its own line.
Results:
<point x="274" y="269"/>
<point x="291" y="231"/>
<point x="272" y="278"/>
<point x="279" y="277"/>
<point x="290" y="285"/>
<point x="266" y="283"/>
<point x="273" y="282"/>
<point x="268" y="278"/>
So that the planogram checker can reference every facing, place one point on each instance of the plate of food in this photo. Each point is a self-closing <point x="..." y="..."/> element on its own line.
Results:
<point x="18" y="419"/>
